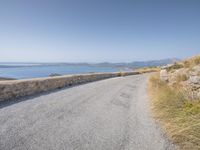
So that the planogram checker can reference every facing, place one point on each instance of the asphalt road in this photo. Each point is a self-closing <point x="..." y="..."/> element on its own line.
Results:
<point x="111" y="114"/>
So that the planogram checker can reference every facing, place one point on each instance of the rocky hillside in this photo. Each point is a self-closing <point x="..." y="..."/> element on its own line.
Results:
<point x="184" y="74"/>
<point x="175" y="97"/>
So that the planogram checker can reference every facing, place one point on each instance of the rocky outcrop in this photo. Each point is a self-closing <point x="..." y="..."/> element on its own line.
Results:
<point x="194" y="80"/>
<point x="187" y="78"/>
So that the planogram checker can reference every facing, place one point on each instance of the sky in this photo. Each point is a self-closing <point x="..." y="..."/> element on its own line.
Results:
<point x="98" y="30"/>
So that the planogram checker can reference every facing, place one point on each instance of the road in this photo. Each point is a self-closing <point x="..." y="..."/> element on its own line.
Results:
<point x="111" y="114"/>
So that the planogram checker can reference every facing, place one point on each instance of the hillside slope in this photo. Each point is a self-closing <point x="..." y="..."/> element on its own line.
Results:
<point x="175" y="94"/>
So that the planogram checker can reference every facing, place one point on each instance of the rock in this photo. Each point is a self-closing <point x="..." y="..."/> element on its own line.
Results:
<point x="197" y="68"/>
<point x="188" y="78"/>
<point x="194" y="79"/>
<point x="177" y="76"/>
<point x="195" y="71"/>
<point x="164" y="75"/>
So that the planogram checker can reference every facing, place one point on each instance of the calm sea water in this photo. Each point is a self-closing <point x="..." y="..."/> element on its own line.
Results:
<point x="24" y="72"/>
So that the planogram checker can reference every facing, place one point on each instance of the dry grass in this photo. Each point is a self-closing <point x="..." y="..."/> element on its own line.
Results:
<point x="182" y="77"/>
<point x="121" y="74"/>
<point x="174" y="67"/>
<point x="192" y="62"/>
<point x="189" y="63"/>
<point x="148" y="69"/>
<point x="179" y="116"/>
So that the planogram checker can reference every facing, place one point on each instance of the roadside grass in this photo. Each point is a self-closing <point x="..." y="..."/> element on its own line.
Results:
<point x="178" y="115"/>
<point x="148" y="69"/>
<point x="121" y="74"/>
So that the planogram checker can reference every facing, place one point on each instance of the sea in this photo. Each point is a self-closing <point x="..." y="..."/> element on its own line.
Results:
<point x="28" y="70"/>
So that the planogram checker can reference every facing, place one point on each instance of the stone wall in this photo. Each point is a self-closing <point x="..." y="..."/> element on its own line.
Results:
<point x="20" y="88"/>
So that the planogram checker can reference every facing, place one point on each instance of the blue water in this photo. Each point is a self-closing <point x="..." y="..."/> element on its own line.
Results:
<point x="24" y="72"/>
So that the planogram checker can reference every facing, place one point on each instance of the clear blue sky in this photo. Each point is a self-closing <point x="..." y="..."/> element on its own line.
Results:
<point x="98" y="30"/>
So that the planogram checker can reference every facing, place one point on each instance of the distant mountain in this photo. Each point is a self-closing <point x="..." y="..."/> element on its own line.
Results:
<point x="138" y="64"/>
<point x="131" y="65"/>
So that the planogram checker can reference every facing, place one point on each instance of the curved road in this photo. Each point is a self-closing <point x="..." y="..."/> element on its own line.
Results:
<point x="111" y="114"/>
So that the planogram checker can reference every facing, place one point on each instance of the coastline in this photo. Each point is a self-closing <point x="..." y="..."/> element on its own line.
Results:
<point x="5" y="79"/>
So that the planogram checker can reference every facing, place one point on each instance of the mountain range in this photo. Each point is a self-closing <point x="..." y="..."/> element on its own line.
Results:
<point x="130" y="65"/>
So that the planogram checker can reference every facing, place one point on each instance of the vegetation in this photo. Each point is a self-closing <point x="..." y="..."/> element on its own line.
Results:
<point x="197" y="60"/>
<point x="189" y="63"/>
<point x="121" y="74"/>
<point x="179" y="116"/>
<point x="182" y="77"/>
<point x="148" y="69"/>
<point x="174" y="67"/>
<point x="192" y="62"/>
<point x="54" y="75"/>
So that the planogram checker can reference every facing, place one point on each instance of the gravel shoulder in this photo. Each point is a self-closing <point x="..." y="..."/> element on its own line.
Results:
<point x="111" y="114"/>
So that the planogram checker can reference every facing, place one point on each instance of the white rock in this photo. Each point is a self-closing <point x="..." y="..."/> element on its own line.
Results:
<point x="194" y="79"/>
<point x="163" y="75"/>
<point x="195" y="71"/>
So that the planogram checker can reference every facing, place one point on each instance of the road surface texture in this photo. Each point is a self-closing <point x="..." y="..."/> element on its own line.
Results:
<point x="111" y="114"/>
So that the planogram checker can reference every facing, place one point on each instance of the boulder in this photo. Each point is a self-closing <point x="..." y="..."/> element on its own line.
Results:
<point x="164" y="75"/>
<point x="195" y="71"/>
<point x="194" y="79"/>
<point x="177" y="76"/>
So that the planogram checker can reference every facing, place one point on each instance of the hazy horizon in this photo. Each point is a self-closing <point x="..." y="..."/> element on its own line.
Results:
<point x="37" y="62"/>
<point x="98" y="30"/>
<point x="129" y="61"/>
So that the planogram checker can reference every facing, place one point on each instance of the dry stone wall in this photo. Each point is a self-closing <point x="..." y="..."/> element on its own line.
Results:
<point x="20" y="88"/>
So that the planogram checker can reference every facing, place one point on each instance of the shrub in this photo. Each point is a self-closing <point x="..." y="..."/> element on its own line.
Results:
<point x="121" y="74"/>
<point x="54" y="75"/>
<point x="174" y="67"/>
